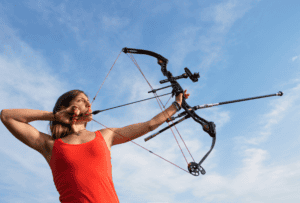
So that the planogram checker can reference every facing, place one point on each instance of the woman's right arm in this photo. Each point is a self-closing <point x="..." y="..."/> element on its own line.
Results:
<point x="16" y="121"/>
<point x="27" y="115"/>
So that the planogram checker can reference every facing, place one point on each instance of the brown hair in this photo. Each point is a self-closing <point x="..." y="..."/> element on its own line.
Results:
<point x="58" y="129"/>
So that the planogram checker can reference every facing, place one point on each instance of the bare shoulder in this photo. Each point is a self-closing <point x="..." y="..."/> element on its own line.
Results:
<point x="107" y="132"/>
<point x="108" y="135"/>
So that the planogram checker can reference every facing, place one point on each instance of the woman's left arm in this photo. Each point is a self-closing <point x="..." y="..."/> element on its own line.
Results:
<point x="131" y="132"/>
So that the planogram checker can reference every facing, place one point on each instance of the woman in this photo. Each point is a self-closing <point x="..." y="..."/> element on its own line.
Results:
<point x="79" y="159"/>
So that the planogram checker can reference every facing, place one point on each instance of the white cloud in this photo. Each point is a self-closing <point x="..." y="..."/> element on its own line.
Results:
<point x="295" y="58"/>
<point x="226" y="13"/>
<point x="114" y="23"/>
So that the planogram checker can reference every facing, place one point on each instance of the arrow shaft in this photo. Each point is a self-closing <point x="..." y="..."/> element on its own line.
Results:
<point x="98" y="111"/>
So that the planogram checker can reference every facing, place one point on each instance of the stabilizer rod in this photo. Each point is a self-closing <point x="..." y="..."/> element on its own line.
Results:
<point x="238" y="100"/>
<point x="226" y="102"/>
<point x="206" y="106"/>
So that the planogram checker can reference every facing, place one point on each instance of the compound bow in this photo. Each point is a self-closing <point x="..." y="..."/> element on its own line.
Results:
<point x="189" y="112"/>
<point x="209" y="127"/>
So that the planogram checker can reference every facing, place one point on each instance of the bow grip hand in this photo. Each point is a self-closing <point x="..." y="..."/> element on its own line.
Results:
<point x="179" y="97"/>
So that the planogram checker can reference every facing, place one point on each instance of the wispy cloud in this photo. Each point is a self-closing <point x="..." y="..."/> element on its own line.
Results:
<point x="295" y="58"/>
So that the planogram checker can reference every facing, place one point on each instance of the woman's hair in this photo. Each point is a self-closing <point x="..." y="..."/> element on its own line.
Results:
<point x="59" y="129"/>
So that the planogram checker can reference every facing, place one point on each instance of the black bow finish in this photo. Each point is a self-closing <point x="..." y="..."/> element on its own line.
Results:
<point x="209" y="127"/>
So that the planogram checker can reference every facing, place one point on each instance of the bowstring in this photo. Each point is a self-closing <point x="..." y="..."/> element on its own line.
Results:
<point x="105" y="78"/>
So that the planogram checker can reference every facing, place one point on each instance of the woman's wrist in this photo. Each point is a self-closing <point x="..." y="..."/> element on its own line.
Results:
<point x="177" y="105"/>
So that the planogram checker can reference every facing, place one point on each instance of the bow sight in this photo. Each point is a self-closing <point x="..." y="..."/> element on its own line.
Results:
<point x="194" y="77"/>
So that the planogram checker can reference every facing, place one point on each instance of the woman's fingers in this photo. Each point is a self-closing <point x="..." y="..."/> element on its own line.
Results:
<point x="186" y="95"/>
<point x="72" y="115"/>
<point x="82" y="119"/>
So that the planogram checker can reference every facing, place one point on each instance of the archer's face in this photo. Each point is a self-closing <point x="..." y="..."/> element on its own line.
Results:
<point x="83" y="103"/>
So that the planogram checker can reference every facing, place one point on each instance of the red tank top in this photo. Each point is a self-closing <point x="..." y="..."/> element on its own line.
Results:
<point x="83" y="173"/>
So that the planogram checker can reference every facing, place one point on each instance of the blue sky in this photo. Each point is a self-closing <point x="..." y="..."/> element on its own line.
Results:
<point x="240" y="48"/>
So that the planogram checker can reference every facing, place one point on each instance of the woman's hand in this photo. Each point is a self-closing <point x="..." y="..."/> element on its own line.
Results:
<point x="72" y="115"/>
<point x="180" y="96"/>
